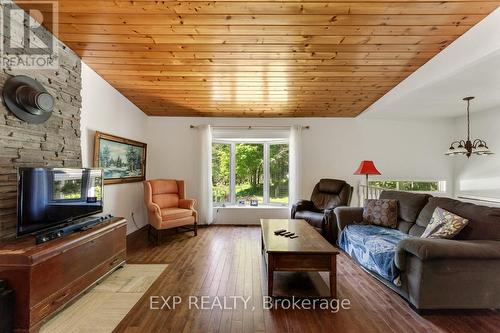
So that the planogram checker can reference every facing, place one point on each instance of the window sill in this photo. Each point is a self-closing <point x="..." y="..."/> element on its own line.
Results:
<point x="252" y="207"/>
<point x="479" y="200"/>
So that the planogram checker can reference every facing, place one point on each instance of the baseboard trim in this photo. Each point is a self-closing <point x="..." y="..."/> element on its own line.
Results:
<point x="137" y="232"/>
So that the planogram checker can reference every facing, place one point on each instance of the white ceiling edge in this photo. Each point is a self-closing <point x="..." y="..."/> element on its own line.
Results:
<point x="481" y="43"/>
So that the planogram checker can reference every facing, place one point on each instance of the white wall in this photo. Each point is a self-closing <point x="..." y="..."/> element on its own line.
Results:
<point x="480" y="175"/>
<point x="332" y="148"/>
<point x="104" y="109"/>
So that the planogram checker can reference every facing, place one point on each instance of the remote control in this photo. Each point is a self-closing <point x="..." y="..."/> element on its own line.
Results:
<point x="286" y="234"/>
<point x="294" y="236"/>
<point x="277" y="232"/>
<point x="290" y="234"/>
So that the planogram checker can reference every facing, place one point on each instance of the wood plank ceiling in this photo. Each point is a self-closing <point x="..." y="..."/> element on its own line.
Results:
<point x="261" y="58"/>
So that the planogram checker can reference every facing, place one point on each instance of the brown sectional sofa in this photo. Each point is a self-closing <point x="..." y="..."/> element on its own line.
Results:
<point x="462" y="273"/>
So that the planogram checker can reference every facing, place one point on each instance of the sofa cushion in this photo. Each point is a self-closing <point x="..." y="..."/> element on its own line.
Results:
<point x="409" y="204"/>
<point x="484" y="222"/>
<point x="373" y="247"/>
<point x="444" y="225"/>
<point x="169" y="214"/>
<point x="382" y="212"/>
<point x="404" y="226"/>
<point x="313" y="218"/>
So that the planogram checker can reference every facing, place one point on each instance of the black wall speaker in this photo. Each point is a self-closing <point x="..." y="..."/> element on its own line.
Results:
<point x="28" y="99"/>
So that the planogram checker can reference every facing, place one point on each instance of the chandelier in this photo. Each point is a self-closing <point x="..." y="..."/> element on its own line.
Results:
<point x="468" y="147"/>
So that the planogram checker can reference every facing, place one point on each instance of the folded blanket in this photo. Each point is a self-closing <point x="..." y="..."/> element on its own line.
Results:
<point x="373" y="247"/>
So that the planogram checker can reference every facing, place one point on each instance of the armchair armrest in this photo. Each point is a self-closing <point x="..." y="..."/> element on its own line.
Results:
<point x="331" y="225"/>
<point x="302" y="205"/>
<point x="154" y="208"/>
<point x="187" y="203"/>
<point x="348" y="215"/>
<point x="429" y="248"/>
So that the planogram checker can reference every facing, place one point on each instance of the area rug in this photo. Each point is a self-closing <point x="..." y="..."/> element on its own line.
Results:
<point x="103" y="307"/>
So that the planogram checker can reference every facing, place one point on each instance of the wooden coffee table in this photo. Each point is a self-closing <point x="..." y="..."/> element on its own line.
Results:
<point x="309" y="252"/>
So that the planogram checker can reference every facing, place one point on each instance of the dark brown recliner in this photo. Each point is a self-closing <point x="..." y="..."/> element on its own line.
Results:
<point x="318" y="212"/>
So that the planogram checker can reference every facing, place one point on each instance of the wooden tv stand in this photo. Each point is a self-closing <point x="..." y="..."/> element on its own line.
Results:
<point x="45" y="277"/>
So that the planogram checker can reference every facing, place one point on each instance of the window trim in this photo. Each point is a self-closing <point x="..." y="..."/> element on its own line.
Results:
<point x="441" y="184"/>
<point x="232" y="167"/>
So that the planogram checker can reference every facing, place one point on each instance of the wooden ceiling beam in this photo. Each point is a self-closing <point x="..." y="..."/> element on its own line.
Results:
<point x="270" y="80"/>
<point x="244" y="48"/>
<point x="253" y="63"/>
<point x="308" y="75"/>
<point x="267" y="19"/>
<point x="261" y="40"/>
<point x="249" y="90"/>
<point x="259" y="99"/>
<point x="91" y="55"/>
<point x="236" y="70"/>
<point x="264" y="30"/>
<point x="285" y="8"/>
<point x="281" y="1"/>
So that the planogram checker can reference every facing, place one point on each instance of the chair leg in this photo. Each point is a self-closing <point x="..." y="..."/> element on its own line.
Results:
<point x="195" y="229"/>
<point x="153" y="235"/>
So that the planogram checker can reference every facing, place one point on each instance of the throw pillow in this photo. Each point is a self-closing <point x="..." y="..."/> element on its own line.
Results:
<point x="444" y="224"/>
<point x="382" y="212"/>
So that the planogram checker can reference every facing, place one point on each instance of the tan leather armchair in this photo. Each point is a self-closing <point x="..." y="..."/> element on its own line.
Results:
<point x="167" y="206"/>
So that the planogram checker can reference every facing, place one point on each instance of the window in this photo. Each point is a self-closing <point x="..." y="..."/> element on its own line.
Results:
<point x="244" y="171"/>
<point x="413" y="186"/>
<point x="278" y="173"/>
<point x="249" y="172"/>
<point x="221" y="168"/>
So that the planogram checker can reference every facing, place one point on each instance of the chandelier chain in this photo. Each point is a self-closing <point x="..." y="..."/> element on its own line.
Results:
<point x="468" y="120"/>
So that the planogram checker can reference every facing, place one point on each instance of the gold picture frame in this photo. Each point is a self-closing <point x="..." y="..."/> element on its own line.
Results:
<point x="122" y="160"/>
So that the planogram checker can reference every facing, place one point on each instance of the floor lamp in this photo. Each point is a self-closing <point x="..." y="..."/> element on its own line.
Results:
<point x="367" y="168"/>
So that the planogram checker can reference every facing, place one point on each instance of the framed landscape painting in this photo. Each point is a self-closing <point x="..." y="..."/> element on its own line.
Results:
<point x="123" y="160"/>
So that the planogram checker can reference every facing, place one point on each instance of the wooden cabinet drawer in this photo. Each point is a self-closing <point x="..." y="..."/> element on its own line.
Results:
<point x="62" y="296"/>
<point x="62" y="270"/>
<point x="302" y="262"/>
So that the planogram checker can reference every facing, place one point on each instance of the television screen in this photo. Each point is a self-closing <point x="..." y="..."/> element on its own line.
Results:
<point x="48" y="197"/>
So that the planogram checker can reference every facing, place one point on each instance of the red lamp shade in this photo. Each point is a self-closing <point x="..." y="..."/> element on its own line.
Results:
<point x="367" y="168"/>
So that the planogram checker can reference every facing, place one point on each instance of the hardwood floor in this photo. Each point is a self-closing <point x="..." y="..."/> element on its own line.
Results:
<point x="225" y="261"/>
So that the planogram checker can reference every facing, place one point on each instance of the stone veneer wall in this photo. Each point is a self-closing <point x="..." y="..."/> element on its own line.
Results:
<point x="55" y="143"/>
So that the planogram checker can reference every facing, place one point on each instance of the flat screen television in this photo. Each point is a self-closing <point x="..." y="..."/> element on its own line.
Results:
<point x="50" y="197"/>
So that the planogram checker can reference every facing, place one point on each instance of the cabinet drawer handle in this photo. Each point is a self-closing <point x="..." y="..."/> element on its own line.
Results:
<point x="60" y="298"/>
<point x="114" y="261"/>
